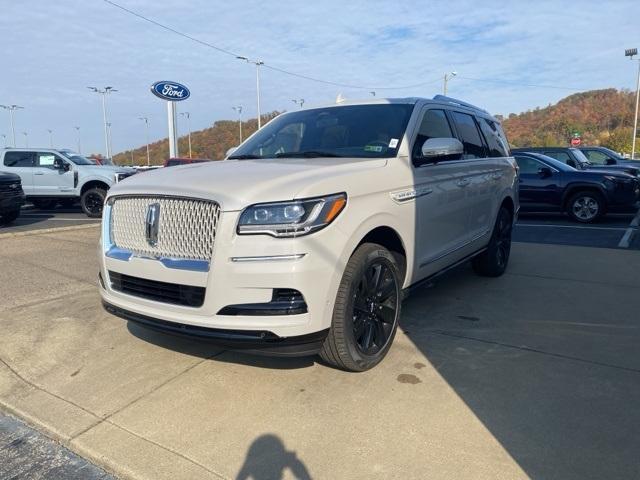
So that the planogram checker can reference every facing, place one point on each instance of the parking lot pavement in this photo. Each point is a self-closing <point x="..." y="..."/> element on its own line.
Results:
<point x="26" y="453"/>
<point x="531" y="375"/>
<point x="32" y="219"/>
<point x="612" y="231"/>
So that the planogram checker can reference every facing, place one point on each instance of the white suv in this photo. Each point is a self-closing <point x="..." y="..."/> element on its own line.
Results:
<point x="50" y="176"/>
<point x="306" y="238"/>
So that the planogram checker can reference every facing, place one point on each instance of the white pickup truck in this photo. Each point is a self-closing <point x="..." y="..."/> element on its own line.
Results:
<point x="50" y="176"/>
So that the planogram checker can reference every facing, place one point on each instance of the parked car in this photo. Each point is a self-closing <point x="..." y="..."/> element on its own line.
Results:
<point x="606" y="156"/>
<point x="50" y="176"/>
<point x="11" y="197"/>
<point x="548" y="185"/>
<point x="305" y="238"/>
<point x="576" y="159"/>
<point x="172" y="162"/>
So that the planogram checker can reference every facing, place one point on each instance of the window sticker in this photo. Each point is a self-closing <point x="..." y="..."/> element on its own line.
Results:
<point x="393" y="143"/>
<point x="46" y="160"/>
<point x="373" y="148"/>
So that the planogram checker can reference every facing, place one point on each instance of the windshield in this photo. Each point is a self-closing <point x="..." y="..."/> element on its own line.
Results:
<point x="557" y="164"/>
<point x="78" y="159"/>
<point x="580" y="157"/>
<point x="362" y="131"/>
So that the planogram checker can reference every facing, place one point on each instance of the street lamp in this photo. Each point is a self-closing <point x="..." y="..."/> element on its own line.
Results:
<point x="26" y="140"/>
<point x="239" y="110"/>
<point x="373" y="93"/>
<point x="109" y="145"/>
<point x="50" y="137"/>
<point x="78" y="130"/>
<point x="447" y="77"/>
<point x="4" y="140"/>
<point x="146" y="122"/>
<point x="187" y="115"/>
<point x="104" y="92"/>
<point x="299" y="102"/>
<point x="631" y="52"/>
<point x="257" y="63"/>
<point x="12" y="108"/>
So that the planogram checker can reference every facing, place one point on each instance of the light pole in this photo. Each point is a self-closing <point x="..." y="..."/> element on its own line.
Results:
<point x="26" y="139"/>
<point x="104" y="92"/>
<point x="187" y="115"/>
<point x="631" y="52"/>
<point x="109" y="146"/>
<point x="373" y="93"/>
<point x="257" y="63"/>
<point x="4" y="140"/>
<point x="239" y="110"/>
<point x="12" y="108"/>
<point x="447" y="77"/>
<point x="298" y="102"/>
<point x="50" y="137"/>
<point x="78" y="130"/>
<point x="146" y="122"/>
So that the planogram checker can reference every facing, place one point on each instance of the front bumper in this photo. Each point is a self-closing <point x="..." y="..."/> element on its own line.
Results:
<point x="11" y="203"/>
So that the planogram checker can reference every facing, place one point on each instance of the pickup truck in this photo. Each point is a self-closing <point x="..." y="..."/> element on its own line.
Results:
<point x="50" y="176"/>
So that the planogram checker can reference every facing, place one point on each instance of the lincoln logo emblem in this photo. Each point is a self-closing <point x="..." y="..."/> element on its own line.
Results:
<point x="151" y="224"/>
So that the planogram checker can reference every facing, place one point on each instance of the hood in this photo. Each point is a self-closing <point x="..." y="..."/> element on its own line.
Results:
<point x="7" y="177"/>
<point x="631" y="170"/>
<point x="106" y="169"/>
<point x="235" y="184"/>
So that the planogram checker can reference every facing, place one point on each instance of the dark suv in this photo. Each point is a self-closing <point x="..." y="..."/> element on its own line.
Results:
<point x="576" y="159"/>
<point x="11" y="197"/>
<point x="606" y="156"/>
<point x="585" y="195"/>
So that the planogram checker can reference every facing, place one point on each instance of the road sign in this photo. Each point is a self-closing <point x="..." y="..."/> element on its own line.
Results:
<point x="575" y="142"/>
<point x="170" y="91"/>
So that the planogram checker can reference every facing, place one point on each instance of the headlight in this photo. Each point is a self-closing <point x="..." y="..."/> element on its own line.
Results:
<point x="291" y="219"/>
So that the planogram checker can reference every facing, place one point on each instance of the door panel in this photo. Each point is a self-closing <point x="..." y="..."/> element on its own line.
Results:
<point x="22" y="164"/>
<point x="537" y="192"/>
<point x="48" y="180"/>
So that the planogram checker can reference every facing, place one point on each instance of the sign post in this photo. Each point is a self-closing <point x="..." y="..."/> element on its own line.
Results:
<point x="172" y="92"/>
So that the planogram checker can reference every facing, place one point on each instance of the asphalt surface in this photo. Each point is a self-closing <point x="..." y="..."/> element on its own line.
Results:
<point x="27" y="454"/>
<point x="32" y="218"/>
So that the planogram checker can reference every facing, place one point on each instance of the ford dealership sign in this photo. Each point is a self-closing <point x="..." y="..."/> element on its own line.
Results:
<point x="171" y="91"/>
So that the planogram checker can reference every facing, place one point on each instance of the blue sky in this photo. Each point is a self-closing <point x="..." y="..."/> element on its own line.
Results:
<point x="51" y="51"/>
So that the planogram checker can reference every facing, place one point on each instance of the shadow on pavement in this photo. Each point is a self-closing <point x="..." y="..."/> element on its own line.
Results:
<point x="268" y="459"/>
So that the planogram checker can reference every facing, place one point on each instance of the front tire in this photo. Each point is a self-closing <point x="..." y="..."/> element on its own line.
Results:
<point x="92" y="202"/>
<point x="493" y="261"/>
<point x="586" y="206"/>
<point x="366" y="311"/>
<point x="9" y="217"/>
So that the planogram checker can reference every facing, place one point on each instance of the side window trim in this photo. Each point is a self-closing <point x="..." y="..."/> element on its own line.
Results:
<point x="449" y="113"/>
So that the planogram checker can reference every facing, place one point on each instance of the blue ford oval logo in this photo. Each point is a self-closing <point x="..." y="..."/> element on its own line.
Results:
<point x="172" y="91"/>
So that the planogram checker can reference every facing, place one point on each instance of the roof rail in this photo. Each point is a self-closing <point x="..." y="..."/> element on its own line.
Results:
<point x="455" y="101"/>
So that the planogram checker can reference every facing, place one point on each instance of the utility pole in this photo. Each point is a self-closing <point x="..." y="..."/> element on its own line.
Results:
<point x="631" y="52"/>
<point x="109" y="145"/>
<point x="187" y="115"/>
<point x="78" y="130"/>
<point x="299" y="102"/>
<point x="12" y="108"/>
<point x="132" y="158"/>
<point x="4" y="140"/>
<point x="104" y="92"/>
<point x="447" y="77"/>
<point x="239" y="110"/>
<point x="26" y="140"/>
<point x="257" y="63"/>
<point x="50" y="137"/>
<point x="146" y="122"/>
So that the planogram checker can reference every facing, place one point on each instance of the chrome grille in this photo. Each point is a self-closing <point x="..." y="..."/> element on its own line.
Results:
<point x="186" y="228"/>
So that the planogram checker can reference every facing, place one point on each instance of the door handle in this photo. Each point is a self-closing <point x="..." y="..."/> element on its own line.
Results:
<point x="38" y="173"/>
<point x="463" y="182"/>
<point x="496" y="176"/>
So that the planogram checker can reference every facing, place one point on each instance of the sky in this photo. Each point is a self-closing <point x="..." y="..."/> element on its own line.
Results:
<point x="509" y="57"/>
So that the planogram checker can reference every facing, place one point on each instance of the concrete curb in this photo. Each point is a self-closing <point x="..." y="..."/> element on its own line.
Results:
<point x="49" y="230"/>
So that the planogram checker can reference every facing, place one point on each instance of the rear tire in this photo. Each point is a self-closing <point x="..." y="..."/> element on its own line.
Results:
<point x="494" y="260"/>
<point x="586" y="206"/>
<point x="44" y="203"/>
<point x="9" y="217"/>
<point x="366" y="311"/>
<point x="92" y="202"/>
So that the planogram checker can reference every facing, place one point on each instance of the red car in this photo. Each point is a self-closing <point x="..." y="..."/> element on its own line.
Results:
<point x="172" y="162"/>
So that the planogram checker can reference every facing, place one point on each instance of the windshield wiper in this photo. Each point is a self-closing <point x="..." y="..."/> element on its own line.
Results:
<point x="307" y="154"/>
<point x="244" y="157"/>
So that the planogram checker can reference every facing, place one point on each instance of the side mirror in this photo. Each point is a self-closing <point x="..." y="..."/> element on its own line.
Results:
<point x="230" y="151"/>
<point x="544" y="172"/>
<point x="436" y="149"/>
<point x="610" y="161"/>
<point x="58" y="164"/>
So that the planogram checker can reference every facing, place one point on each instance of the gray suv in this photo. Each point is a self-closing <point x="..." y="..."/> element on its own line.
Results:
<point x="50" y="176"/>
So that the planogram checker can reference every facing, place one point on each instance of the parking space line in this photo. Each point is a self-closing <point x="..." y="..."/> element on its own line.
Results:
<point x="582" y="227"/>
<point x="630" y="232"/>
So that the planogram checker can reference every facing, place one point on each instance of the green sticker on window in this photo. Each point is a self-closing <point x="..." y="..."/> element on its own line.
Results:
<point x="373" y="148"/>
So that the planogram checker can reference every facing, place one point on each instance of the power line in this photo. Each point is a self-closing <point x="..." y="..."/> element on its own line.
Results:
<point x="516" y="84"/>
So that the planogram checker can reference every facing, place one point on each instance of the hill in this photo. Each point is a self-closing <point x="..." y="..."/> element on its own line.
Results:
<point x="212" y="143"/>
<point x="601" y="117"/>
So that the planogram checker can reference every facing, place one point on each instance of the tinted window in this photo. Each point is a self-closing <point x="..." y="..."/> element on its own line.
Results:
<point x="528" y="165"/>
<point x="364" y="131"/>
<point x="434" y="125"/>
<point x="18" y="159"/>
<point x="493" y="134"/>
<point x="596" y="157"/>
<point x="469" y="135"/>
<point x="563" y="157"/>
